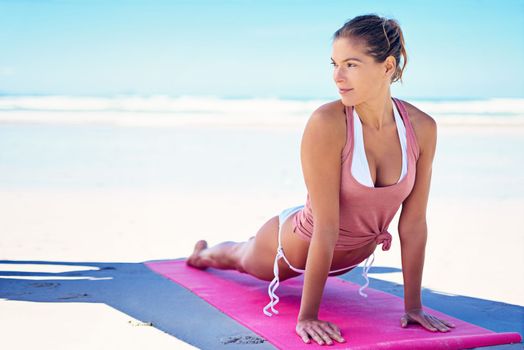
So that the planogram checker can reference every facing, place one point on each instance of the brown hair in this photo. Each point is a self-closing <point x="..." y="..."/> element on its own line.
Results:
<point x="382" y="37"/>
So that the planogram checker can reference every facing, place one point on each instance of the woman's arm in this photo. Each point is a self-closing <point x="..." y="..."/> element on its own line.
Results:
<point x="321" y="152"/>
<point x="318" y="263"/>
<point x="413" y="252"/>
<point x="413" y="230"/>
<point x="412" y="222"/>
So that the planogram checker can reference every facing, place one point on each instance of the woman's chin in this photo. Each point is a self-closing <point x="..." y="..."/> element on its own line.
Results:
<point x="348" y="101"/>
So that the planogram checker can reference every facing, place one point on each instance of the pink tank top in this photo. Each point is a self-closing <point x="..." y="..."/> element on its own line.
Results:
<point x="365" y="212"/>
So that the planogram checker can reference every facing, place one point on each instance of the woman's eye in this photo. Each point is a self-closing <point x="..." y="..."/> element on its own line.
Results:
<point x="334" y="64"/>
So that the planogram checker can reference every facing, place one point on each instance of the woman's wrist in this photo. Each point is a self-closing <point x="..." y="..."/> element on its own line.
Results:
<point x="412" y="302"/>
<point x="411" y="309"/>
<point x="311" y="316"/>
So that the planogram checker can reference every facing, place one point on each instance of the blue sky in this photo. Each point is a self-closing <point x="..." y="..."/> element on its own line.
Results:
<point x="456" y="49"/>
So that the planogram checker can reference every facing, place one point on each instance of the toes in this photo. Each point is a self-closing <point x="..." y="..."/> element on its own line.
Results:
<point x="194" y="259"/>
<point x="200" y="245"/>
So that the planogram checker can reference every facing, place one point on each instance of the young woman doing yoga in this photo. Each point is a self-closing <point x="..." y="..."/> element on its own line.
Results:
<point x="363" y="156"/>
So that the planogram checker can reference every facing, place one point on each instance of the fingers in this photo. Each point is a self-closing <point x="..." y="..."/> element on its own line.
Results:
<point x="447" y="323"/>
<point x="440" y="324"/>
<point x="321" y="334"/>
<point x="310" y="332"/>
<point x="334" y="327"/>
<point x="338" y="335"/>
<point x="427" y="321"/>
<point x="433" y="324"/>
<point x="404" y="321"/>
<point x="303" y="334"/>
<point x="330" y="331"/>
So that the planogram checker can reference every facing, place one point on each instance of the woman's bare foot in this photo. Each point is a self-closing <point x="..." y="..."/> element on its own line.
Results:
<point x="194" y="260"/>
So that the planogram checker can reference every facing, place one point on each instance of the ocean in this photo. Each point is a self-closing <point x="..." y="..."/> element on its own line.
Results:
<point x="207" y="144"/>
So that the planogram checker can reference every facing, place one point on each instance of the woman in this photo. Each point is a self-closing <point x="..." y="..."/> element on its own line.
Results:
<point x="352" y="153"/>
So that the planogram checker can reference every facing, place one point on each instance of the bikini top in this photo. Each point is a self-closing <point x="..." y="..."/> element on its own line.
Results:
<point x="359" y="164"/>
<point x="366" y="211"/>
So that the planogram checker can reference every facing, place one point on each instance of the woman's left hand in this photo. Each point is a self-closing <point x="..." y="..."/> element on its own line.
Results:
<point x="426" y="320"/>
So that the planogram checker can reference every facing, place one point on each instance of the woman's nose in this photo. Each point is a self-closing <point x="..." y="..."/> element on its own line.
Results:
<point x="337" y="75"/>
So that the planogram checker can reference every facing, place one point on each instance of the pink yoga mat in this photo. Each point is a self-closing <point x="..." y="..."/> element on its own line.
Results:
<point x="365" y="323"/>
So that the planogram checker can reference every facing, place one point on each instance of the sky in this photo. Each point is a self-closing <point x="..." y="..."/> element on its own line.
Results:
<point x="241" y="49"/>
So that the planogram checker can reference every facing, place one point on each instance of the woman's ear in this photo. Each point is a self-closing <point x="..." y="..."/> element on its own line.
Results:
<point x="391" y="65"/>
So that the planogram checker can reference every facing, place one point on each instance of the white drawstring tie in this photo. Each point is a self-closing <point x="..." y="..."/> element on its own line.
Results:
<point x="274" y="299"/>
<point x="274" y="285"/>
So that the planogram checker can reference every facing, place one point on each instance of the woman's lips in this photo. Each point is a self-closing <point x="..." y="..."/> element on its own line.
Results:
<point x="343" y="91"/>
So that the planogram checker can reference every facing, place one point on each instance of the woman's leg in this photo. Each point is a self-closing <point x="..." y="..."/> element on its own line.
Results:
<point x="254" y="257"/>
<point x="226" y="255"/>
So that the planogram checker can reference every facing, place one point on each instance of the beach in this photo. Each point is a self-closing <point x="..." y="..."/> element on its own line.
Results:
<point x="104" y="192"/>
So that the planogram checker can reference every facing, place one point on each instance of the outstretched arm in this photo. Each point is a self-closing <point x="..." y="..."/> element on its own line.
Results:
<point x="413" y="230"/>
<point x="412" y="226"/>
<point x="321" y="150"/>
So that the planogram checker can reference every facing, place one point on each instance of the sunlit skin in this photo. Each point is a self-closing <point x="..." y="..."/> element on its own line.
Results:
<point x="371" y="96"/>
<point x="370" y="81"/>
<point x="322" y="143"/>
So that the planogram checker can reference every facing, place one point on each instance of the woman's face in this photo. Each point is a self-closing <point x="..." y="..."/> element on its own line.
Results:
<point x="353" y="69"/>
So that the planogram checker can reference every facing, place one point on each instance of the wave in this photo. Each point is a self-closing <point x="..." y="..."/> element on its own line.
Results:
<point x="162" y="110"/>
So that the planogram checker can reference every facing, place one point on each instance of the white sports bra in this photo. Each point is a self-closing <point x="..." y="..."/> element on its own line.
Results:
<point x="359" y="164"/>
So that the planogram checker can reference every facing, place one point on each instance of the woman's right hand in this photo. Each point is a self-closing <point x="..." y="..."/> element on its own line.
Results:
<point x="321" y="331"/>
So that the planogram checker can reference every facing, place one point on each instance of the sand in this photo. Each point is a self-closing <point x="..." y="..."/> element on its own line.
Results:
<point x="474" y="245"/>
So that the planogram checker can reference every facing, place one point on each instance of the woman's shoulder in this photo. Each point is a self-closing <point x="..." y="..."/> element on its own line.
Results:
<point x="329" y="116"/>
<point x="417" y="116"/>
<point x="329" y="110"/>
<point x="328" y="121"/>
<point x="424" y="126"/>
